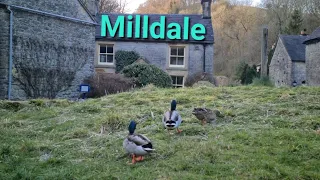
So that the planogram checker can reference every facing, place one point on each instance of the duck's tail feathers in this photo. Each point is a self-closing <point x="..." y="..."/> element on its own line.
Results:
<point x="149" y="149"/>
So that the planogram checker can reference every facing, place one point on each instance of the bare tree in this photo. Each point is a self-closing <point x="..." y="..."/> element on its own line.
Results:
<point x="106" y="6"/>
<point x="117" y="6"/>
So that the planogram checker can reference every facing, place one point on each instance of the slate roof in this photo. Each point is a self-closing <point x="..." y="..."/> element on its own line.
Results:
<point x="176" y="18"/>
<point x="295" y="47"/>
<point x="314" y="37"/>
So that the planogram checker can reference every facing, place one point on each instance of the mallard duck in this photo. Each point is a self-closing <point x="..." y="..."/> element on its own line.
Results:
<point x="172" y="119"/>
<point x="206" y="115"/>
<point x="137" y="145"/>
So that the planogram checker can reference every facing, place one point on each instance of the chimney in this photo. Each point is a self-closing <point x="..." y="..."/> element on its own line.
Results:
<point x="304" y="32"/>
<point x="206" y="9"/>
<point x="92" y="6"/>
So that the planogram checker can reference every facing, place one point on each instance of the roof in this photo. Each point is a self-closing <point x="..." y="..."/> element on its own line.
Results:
<point x="295" y="47"/>
<point x="170" y="18"/>
<point x="314" y="37"/>
<point x="87" y="10"/>
<point x="51" y="12"/>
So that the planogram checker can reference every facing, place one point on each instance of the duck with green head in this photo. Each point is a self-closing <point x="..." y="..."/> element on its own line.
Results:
<point x="172" y="119"/>
<point x="137" y="145"/>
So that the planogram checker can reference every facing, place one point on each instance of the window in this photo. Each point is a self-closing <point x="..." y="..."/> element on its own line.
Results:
<point x="177" y="56"/>
<point x="177" y="81"/>
<point x="106" y="54"/>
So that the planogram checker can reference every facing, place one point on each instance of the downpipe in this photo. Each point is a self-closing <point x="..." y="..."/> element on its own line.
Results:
<point x="204" y="58"/>
<point x="10" y="53"/>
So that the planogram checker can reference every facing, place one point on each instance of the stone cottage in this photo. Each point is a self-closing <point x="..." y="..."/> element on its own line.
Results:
<point x="288" y="67"/>
<point x="46" y="48"/>
<point x="313" y="58"/>
<point x="178" y="57"/>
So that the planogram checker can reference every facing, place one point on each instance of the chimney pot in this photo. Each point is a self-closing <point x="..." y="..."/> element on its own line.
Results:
<point x="303" y="32"/>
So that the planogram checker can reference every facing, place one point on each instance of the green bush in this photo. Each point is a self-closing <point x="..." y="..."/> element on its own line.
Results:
<point x="246" y="73"/>
<point x="145" y="74"/>
<point x="263" y="81"/>
<point x="125" y="58"/>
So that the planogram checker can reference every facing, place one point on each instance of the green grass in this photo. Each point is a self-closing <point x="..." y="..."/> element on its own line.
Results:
<point x="267" y="133"/>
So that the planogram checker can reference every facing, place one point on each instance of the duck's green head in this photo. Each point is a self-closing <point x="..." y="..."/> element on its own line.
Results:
<point x="132" y="127"/>
<point x="173" y="105"/>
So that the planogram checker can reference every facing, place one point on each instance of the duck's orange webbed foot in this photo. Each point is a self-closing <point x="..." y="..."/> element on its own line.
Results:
<point x="133" y="161"/>
<point x="203" y="122"/>
<point x="139" y="158"/>
<point x="179" y="130"/>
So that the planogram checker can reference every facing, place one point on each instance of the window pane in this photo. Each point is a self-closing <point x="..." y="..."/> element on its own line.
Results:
<point x="174" y="80"/>
<point x="174" y="51"/>
<point x="103" y="58"/>
<point x="110" y="58"/>
<point x="181" y="51"/>
<point x="180" y="60"/>
<point x="103" y="49"/>
<point x="110" y="49"/>
<point x="173" y="61"/>
<point x="179" y="80"/>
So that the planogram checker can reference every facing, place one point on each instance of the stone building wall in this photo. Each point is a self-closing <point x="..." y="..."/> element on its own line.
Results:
<point x="4" y="51"/>
<point x="299" y="72"/>
<point x="313" y="64"/>
<point x="158" y="54"/>
<point x="280" y="66"/>
<point x="56" y="53"/>
<point x="69" y="8"/>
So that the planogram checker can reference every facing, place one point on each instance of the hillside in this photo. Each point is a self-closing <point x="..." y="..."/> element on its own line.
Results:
<point x="267" y="133"/>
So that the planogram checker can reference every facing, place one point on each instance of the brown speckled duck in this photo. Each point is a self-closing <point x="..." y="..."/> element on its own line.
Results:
<point x="206" y="115"/>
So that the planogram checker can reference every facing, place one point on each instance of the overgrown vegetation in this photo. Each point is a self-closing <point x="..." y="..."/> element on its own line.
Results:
<point x="106" y="83"/>
<point x="44" y="77"/>
<point x="246" y="73"/>
<point x="263" y="81"/>
<point x="145" y="74"/>
<point x="267" y="133"/>
<point x="125" y="58"/>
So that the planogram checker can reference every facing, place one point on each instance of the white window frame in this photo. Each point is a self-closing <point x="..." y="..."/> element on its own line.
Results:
<point x="113" y="54"/>
<point x="177" y="85"/>
<point x="184" y="55"/>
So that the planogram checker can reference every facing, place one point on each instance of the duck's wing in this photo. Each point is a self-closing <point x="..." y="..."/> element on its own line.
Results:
<point x="139" y="139"/>
<point x="144" y="138"/>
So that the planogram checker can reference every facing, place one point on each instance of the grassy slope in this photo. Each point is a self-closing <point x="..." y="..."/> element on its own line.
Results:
<point x="267" y="133"/>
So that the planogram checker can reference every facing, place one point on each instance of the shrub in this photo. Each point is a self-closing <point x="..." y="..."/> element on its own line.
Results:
<point x="145" y="74"/>
<point x="246" y="73"/>
<point x="200" y="76"/>
<point x="125" y="58"/>
<point x="12" y="105"/>
<point x="105" y="83"/>
<point x="264" y="81"/>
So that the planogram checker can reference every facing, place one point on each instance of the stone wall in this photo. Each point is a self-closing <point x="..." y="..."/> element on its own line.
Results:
<point x="4" y="51"/>
<point x="299" y="72"/>
<point x="69" y="8"/>
<point x="158" y="54"/>
<point x="280" y="66"/>
<point x="53" y="53"/>
<point x="313" y="64"/>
